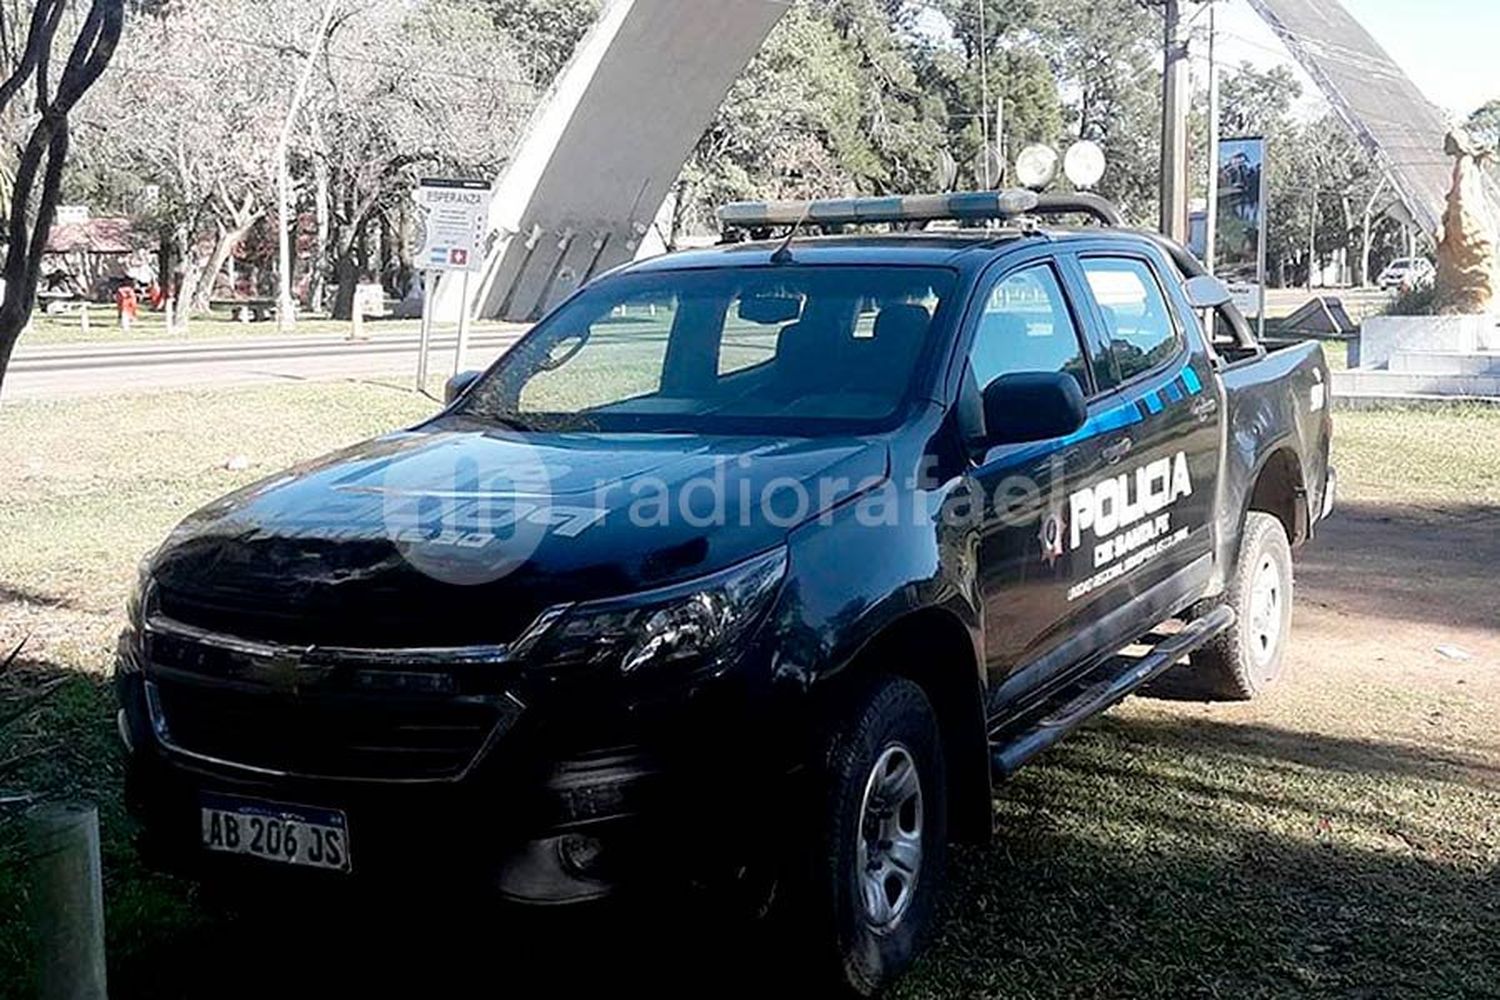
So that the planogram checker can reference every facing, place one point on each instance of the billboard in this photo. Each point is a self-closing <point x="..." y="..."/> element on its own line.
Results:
<point x="1240" y="248"/>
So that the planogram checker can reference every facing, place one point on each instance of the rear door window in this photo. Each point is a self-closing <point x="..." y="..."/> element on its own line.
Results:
<point x="1138" y="324"/>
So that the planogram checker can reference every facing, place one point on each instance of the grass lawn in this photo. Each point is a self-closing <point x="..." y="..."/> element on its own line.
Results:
<point x="1340" y="837"/>
<point x="1441" y="458"/>
<point x="103" y="328"/>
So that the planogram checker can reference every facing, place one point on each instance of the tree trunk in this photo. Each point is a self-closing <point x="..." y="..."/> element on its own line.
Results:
<point x="679" y="212"/>
<point x="229" y="241"/>
<point x="352" y="252"/>
<point x="187" y="291"/>
<point x="318" y="277"/>
<point x="166" y="259"/>
<point x="346" y="277"/>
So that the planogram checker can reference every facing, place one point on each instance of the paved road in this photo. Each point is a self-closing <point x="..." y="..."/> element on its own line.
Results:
<point x="63" y="371"/>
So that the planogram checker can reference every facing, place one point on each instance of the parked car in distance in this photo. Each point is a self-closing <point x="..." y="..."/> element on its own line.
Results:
<point x="1407" y="272"/>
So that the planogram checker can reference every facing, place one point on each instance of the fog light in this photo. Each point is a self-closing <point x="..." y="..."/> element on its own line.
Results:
<point x="580" y="854"/>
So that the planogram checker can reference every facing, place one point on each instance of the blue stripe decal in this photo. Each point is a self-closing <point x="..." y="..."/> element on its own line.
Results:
<point x="1110" y="420"/>
<point x="1103" y="423"/>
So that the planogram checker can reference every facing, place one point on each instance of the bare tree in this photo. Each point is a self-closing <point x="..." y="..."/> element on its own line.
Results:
<point x="409" y="87"/>
<point x="197" y="111"/>
<point x="45" y="150"/>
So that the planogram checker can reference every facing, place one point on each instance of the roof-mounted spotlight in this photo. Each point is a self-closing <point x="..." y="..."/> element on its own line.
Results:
<point x="1084" y="164"/>
<point x="1036" y="167"/>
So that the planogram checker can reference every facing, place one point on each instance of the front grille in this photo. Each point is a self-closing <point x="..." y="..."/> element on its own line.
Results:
<point x="334" y="736"/>
<point x="375" y="617"/>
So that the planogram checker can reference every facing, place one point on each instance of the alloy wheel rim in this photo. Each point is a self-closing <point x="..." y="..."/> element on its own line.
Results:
<point x="1267" y="595"/>
<point x="889" y="854"/>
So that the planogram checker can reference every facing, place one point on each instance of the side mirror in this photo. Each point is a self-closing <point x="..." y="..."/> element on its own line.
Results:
<point x="1035" y="406"/>
<point x="1206" y="292"/>
<point x="458" y="385"/>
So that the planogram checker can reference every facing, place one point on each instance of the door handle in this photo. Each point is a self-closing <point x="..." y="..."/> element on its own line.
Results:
<point x="1116" y="453"/>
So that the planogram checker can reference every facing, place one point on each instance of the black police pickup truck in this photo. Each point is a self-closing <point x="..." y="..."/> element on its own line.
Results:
<point x="829" y="532"/>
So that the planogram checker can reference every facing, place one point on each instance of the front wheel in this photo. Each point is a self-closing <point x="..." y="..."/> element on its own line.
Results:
<point x="874" y="878"/>
<point x="1246" y="658"/>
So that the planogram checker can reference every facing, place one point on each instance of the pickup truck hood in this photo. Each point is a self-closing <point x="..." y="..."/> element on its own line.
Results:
<point x="458" y="533"/>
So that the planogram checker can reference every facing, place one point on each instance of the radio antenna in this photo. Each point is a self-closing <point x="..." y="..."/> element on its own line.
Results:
<point x="783" y="254"/>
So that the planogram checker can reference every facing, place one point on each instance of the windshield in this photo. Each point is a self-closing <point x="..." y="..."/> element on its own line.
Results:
<point x="791" y="349"/>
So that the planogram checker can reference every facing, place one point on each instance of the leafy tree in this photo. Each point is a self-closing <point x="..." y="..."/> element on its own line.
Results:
<point x="1256" y="101"/>
<point x="1484" y="126"/>
<point x="826" y="108"/>
<point x="544" y="33"/>
<point x="1107" y="53"/>
<point x="1484" y="123"/>
<point x="1311" y="165"/>
<point x="1021" y="85"/>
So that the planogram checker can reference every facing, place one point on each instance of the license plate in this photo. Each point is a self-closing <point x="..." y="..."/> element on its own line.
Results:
<point x="274" y="831"/>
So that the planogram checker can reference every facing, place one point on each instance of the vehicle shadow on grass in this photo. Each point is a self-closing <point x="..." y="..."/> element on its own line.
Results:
<point x="1147" y="857"/>
<point x="1434" y="566"/>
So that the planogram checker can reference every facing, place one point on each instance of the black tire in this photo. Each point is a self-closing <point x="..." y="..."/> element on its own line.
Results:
<point x="1246" y="658"/>
<point x="887" y="721"/>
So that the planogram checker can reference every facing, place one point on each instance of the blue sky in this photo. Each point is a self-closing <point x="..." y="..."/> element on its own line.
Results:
<point x="1450" y="48"/>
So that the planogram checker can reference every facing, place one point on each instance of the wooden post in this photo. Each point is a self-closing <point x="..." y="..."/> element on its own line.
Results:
<point x="66" y="902"/>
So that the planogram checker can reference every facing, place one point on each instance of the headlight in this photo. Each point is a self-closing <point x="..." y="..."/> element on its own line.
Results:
<point x="135" y="605"/>
<point x="698" y="623"/>
<point x="128" y="646"/>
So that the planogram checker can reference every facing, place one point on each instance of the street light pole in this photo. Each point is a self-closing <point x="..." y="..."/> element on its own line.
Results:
<point x="286" y="314"/>
<point x="984" y="96"/>
<point x="1175" y="93"/>
<point x="1211" y="222"/>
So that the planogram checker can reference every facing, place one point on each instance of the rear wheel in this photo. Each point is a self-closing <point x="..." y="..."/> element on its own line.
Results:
<point x="872" y="882"/>
<point x="1246" y="658"/>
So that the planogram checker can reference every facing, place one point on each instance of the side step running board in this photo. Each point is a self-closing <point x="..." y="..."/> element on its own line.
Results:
<point x="1100" y="690"/>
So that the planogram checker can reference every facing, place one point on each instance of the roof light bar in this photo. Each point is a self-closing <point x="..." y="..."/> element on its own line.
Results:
<point x="973" y="206"/>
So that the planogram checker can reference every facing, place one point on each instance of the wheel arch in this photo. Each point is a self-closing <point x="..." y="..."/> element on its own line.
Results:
<point x="1280" y="490"/>
<point x="934" y="649"/>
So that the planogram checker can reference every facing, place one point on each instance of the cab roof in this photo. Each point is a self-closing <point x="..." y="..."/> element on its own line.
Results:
<point x="960" y="249"/>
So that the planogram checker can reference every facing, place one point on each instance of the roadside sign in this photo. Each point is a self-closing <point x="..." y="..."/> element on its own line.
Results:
<point x="1249" y="297"/>
<point x="452" y="224"/>
<point x="1240" y="256"/>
